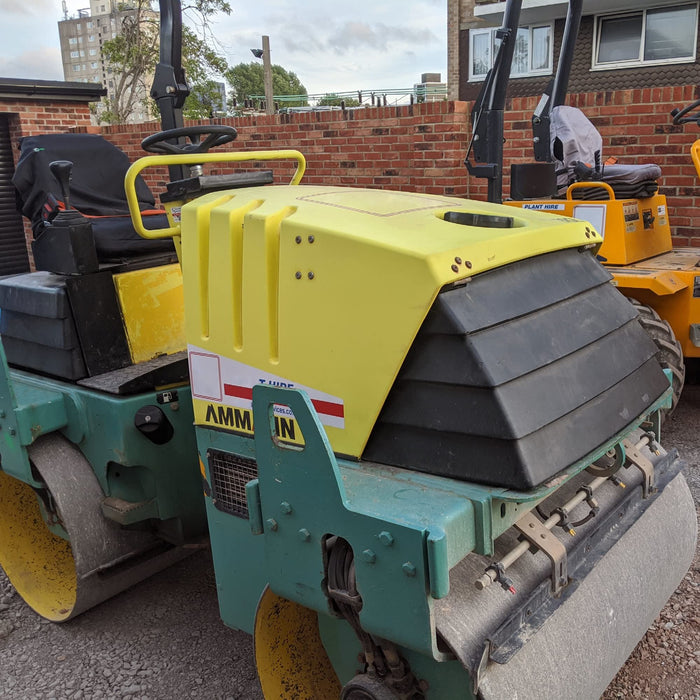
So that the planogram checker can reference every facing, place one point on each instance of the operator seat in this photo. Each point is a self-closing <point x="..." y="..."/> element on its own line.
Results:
<point x="577" y="148"/>
<point x="105" y="306"/>
<point x="97" y="192"/>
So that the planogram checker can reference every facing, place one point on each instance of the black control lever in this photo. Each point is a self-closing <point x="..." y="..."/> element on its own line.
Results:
<point x="62" y="171"/>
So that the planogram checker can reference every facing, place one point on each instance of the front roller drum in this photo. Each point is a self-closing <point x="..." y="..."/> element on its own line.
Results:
<point x="291" y="661"/>
<point x="603" y="619"/>
<point x="60" y="578"/>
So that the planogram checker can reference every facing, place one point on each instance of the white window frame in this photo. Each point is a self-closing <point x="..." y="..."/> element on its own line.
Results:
<point x="640" y="62"/>
<point x="494" y="48"/>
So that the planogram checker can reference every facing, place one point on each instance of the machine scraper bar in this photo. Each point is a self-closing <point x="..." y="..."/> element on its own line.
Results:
<point x="534" y="536"/>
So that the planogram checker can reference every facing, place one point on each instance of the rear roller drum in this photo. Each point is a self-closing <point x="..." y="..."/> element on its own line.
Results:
<point x="39" y="564"/>
<point x="83" y="558"/>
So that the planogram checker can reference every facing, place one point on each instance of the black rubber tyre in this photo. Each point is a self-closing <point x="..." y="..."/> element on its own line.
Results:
<point x="670" y="354"/>
<point x="364" y="687"/>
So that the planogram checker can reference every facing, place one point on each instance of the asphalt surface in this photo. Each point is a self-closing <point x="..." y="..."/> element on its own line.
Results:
<point x="163" y="639"/>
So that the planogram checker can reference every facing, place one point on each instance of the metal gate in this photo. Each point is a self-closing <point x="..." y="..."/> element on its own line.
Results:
<point x="13" y="247"/>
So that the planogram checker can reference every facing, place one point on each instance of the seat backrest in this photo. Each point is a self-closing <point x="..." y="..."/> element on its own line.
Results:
<point x="97" y="182"/>
<point x="96" y="190"/>
<point x="573" y="139"/>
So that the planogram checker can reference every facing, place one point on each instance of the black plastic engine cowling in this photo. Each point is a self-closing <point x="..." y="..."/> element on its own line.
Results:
<point x="518" y="374"/>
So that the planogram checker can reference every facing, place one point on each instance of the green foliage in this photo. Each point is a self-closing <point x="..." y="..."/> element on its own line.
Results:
<point x="330" y="99"/>
<point x="248" y="79"/>
<point x="134" y="53"/>
<point x="200" y="62"/>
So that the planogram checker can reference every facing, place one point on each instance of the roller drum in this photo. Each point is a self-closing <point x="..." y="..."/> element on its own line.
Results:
<point x="61" y="578"/>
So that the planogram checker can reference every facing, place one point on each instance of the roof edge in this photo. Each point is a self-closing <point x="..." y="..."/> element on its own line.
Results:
<point x="26" y="88"/>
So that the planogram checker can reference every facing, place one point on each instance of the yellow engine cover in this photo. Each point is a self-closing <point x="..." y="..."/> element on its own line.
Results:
<point x="325" y="288"/>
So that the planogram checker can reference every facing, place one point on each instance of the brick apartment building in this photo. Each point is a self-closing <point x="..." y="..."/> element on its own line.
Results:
<point x="622" y="45"/>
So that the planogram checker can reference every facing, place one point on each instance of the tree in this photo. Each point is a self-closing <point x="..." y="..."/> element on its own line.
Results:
<point x="201" y="62"/>
<point x="132" y="56"/>
<point x="330" y="99"/>
<point x="247" y="79"/>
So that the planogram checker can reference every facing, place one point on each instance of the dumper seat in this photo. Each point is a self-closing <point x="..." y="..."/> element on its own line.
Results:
<point x="577" y="148"/>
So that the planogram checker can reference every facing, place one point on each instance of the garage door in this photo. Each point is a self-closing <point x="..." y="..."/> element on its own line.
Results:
<point x="13" y="249"/>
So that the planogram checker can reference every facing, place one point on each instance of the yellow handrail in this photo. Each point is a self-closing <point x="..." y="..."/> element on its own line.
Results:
<point x="695" y="155"/>
<point x="593" y="183"/>
<point x="195" y="159"/>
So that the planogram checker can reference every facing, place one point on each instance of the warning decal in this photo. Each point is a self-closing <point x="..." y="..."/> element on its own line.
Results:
<point x="225" y="381"/>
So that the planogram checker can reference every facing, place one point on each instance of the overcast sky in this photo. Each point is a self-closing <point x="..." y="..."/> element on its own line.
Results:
<point x="331" y="46"/>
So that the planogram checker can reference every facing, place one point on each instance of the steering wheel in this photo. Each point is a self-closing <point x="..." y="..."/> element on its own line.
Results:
<point x="679" y="115"/>
<point x="214" y="135"/>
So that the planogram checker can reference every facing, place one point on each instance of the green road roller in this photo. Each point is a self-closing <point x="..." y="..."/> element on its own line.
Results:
<point x="428" y="432"/>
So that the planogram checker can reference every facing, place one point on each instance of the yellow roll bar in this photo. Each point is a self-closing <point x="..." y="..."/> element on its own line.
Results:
<point x="695" y="155"/>
<point x="195" y="159"/>
<point x="592" y="183"/>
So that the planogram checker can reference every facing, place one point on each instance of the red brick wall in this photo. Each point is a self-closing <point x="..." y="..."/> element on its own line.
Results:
<point x="29" y="117"/>
<point x="419" y="148"/>
<point x="422" y="148"/>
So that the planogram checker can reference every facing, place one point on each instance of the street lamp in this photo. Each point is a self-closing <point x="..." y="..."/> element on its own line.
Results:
<point x="264" y="53"/>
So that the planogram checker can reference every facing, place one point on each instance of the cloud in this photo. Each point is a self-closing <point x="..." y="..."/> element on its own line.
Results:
<point x="334" y="47"/>
<point x="35" y="8"/>
<point x="38" y="64"/>
<point x="354" y="35"/>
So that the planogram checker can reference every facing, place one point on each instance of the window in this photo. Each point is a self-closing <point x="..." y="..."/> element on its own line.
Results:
<point x="654" y="36"/>
<point x="93" y="65"/>
<point x="89" y="25"/>
<point x="76" y="68"/>
<point x="532" y="54"/>
<point x="93" y="52"/>
<point x="72" y="41"/>
<point x="77" y="26"/>
<point x="91" y="37"/>
<point x="74" y="54"/>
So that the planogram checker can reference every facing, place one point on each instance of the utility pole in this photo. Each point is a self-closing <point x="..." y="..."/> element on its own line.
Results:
<point x="267" y="74"/>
